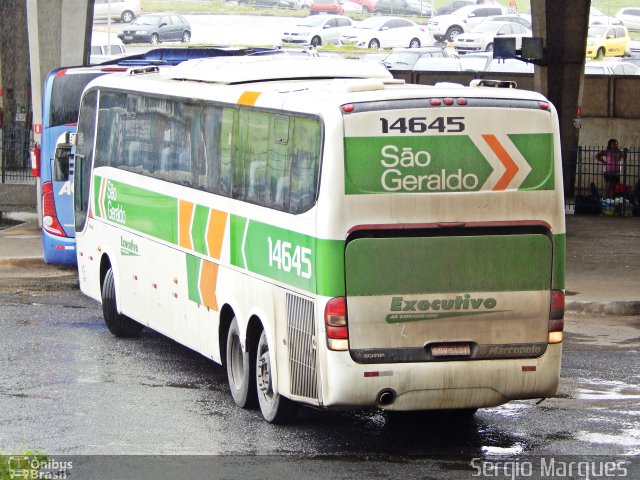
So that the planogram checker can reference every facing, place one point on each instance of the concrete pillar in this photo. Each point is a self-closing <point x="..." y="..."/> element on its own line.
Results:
<point x="59" y="33"/>
<point x="562" y="24"/>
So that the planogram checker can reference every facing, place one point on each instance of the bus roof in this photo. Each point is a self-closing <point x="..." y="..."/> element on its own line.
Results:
<point x="234" y="70"/>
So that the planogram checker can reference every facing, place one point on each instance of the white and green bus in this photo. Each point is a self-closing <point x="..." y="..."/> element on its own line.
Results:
<point x="334" y="237"/>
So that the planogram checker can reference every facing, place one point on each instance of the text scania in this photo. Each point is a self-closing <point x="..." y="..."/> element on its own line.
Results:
<point x="115" y="212"/>
<point x="395" y="177"/>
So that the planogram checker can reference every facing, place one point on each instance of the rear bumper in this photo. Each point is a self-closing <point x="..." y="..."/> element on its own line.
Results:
<point x="58" y="250"/>
<point x="440" y="385"/>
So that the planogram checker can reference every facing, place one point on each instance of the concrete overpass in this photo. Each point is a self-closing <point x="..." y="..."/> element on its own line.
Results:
<point x="59" y="34"/>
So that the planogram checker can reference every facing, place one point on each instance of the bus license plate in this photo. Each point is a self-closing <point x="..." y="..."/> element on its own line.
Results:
<point x="453" y="350"/>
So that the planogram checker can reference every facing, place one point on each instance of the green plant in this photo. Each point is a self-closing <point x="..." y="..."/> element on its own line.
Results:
<point x="24" y="465"/>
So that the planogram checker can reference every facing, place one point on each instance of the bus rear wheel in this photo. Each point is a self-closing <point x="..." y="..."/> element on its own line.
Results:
<point x="274" y="407"/>
<point x="240" y="369"/>
<point x="118" y="324"/>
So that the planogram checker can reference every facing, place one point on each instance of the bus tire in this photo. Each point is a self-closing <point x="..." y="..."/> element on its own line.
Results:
<point x="274" y="407"/>
<point x="240" y="369"/>
<point x="118" y="324"/>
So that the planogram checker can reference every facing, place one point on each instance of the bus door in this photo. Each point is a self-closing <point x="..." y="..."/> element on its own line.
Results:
<point x="62" y="180"/>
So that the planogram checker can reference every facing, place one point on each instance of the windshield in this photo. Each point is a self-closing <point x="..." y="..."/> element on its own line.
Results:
<point x="313" y="21"/>
<point x="405" y="58"/>
<point x="486" y="27"/>
<point x="66" y="91"/>
<point x="146" y="20"/>
<point x="469" y="62"/>
<point x="596" y="30"/>
<point x="371" y="23"/>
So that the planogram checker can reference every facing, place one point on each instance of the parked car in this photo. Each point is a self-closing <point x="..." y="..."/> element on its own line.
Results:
<point x="607" y="40"/>
<point x="509" y="65"/>
<point x="610" y="67"/>
<point x="155" y="28"/>
<point x="317" y="30"/>
<point x="634" y="47"/>
<point x="293" y="4"/>
<point x="406" y="58"/>
<point x="475" y="62"/>
<point x="118" y="10"/>
<point x="524" y="20"/>
<point x="450" y="7"/>
<point x="448" y="27"/>
<point x="437" y="64"/>
<point x="630" y="17"/>
<point x="404" y="7"/>
<point x="386" y="32"/>
<point x="368" y="6"/>
<point x="326" y="6"/>
<point x="481" y="37"/>
<point x="596" y="17"/>
<point x="105" y="47"/>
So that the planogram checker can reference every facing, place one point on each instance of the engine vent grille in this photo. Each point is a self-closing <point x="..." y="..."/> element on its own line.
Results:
<point x="302" y="347"/>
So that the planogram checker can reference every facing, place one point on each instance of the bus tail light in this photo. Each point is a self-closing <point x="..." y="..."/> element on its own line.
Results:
<point x="49" y="218"/>
<point x="556" y="316"/>
<point x="335" y="319"/>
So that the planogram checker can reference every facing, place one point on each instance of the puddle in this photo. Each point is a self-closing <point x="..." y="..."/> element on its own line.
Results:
<point x="629" y="438"/>
<point x="516" y="449"/>
<point x="607" y="391"/>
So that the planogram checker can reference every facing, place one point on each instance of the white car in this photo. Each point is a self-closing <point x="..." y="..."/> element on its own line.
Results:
<point x="630" y="16"/>
<point x="105" y="47"/>
<point x="509" y="65"/>
<point x="610" y="67"/>
<point x="451" y="25"/>
<point x="437" y="64"/>
<point x="316" y="30"/>
<point x="118" y="10"/>
<point x="386" y="32"/>
<point x="596" y="17"/>
<point x="481" y="37"/>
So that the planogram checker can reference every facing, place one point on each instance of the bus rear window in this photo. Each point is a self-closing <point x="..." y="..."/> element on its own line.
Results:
<point x="65" y="97"/>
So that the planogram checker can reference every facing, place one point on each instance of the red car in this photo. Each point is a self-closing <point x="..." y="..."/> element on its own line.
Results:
<point x="368" y="6"/>
<point x="326" y="6"/>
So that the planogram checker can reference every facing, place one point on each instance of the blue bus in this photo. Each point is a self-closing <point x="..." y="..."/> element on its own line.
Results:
<point x="62" y="90"/>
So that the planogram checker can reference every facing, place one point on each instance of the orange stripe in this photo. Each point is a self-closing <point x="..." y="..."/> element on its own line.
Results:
<point x="248" y="98"/>
<point x="505" y="159"/>
<point x="215" y="232"/>
<point x="208" y="281"/>
<point x="184" y="229"/>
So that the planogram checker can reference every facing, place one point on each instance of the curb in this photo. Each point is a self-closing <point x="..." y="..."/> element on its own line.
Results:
<point x="604" y="308"/>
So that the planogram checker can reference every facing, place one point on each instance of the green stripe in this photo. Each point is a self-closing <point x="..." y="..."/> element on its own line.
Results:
<point x="538" y="152"/>
<point x="199" y="229"/>
<point x="193" y="277"/>
<point x="296" y="259"/>
<point x="488" y="263"/>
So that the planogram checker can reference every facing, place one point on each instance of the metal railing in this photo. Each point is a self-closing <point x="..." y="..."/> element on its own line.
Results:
<point x="589" y="194"/>
<point x="14" y="155"/>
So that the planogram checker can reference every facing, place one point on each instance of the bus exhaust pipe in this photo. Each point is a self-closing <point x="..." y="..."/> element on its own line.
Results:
<point x="386" y="397"/>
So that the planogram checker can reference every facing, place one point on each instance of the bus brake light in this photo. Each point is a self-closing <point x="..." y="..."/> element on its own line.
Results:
<point x="335" y="319"/>
<point x="49" y="218"/>
<point x="556" y="316"/>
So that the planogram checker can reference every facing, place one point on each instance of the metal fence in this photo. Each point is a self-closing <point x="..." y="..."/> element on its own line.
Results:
<point x="589" y="194"/>
<point x="14" y="155"/>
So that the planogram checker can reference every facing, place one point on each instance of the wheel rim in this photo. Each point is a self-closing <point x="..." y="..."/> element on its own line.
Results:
<point x="415" y="43"/>
<point x="154" y="39"/>
<point x="373" y="44"/>
<point x="186" y="37"/>
<point x="453" y="35"/>
<point x="237" y="361"/>
<point x="263" y="375"/>
<point x="127" y="17"/>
